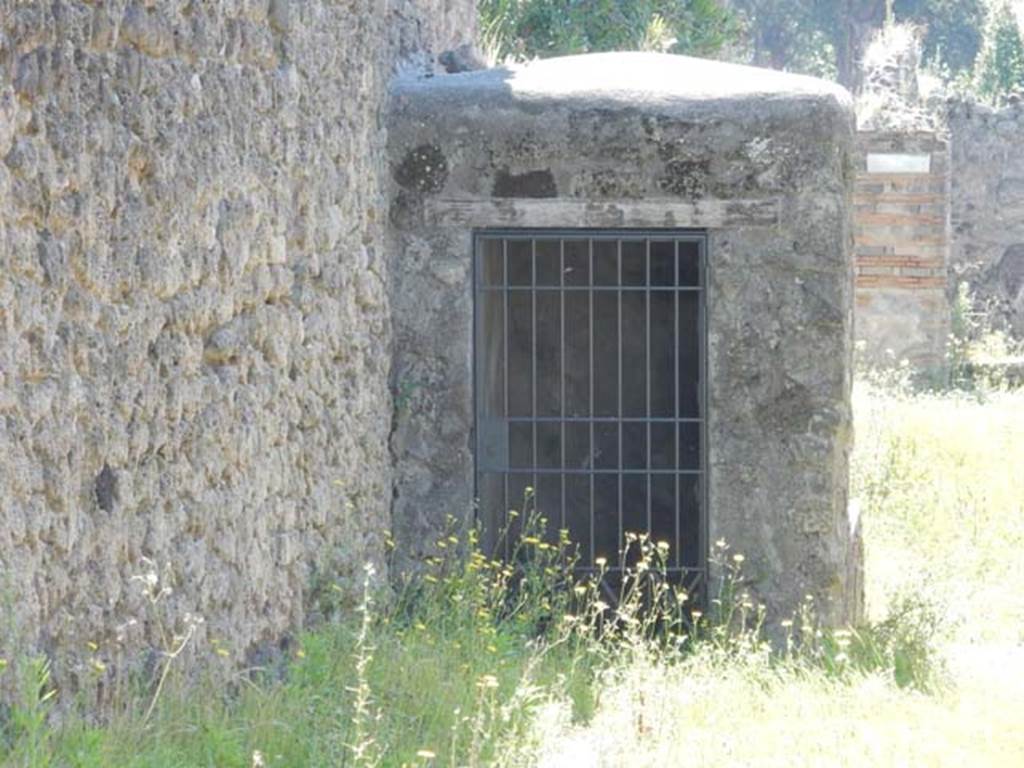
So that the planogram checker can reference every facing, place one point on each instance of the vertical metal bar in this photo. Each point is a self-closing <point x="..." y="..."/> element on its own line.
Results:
<point x="533" y="366"/>
<point x="590" y="381"/>
<point x="647" y="378"/>
<point x="618" y="427"/>
<point x="506" y="331"/>
<point x="485" y="378"/>
<point x="702" y="378"/>
<point x="561" y="373"/>
<point x="479" y="297"/>
<point x="677" y="380"/>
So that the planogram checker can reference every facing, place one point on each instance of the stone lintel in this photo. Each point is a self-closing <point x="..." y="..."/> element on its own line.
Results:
<point x="648" y="213"/>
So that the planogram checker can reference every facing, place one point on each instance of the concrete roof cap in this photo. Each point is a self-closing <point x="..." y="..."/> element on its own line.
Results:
<point x="644" y="80"/>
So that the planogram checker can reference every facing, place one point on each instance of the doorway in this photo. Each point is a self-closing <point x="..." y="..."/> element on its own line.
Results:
<point x="590" y="389"/>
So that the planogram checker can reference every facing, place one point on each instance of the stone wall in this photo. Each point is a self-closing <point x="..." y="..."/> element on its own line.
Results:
<point x="762" y="162"/>
<point x="988" y="207"/>
<point x="901" y="218"/>
<point x="194" y="327"/>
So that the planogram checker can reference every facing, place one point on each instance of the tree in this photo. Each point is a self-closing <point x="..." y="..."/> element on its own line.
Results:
<point x="528" y="28"/>
<point x="821" y="37"/>
<point x="828" y="37"/>
<point x="953" y="29"/>
<point x="781" y="32"/>
<point x="852" y="23"/>
<point x="1000" y="66"/>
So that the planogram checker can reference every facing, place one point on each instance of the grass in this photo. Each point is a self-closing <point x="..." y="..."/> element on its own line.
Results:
<point x="713" y="711"/>
<point x="940" y="481"/>
<point x="940" y="478"/>
<point x="481" y="664"/>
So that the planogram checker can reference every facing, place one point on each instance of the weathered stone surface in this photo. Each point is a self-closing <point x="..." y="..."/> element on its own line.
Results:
<point x="988" y="204"/>
<point x="1011" y="270"/>
<point x="761" y="160"/>
<point x="901" y="249"/>
<point x="890" y="99"/>
<point x="194" y="329"/>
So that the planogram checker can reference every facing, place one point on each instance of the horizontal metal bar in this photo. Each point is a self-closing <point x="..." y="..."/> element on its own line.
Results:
<point x="605" y="419"/>
<point x="556" y="474"/>
<point x="669" y="569"/>
<point x="616" y="471"/>
<point x="576" y="234"/>
<point x="598" y="288"/>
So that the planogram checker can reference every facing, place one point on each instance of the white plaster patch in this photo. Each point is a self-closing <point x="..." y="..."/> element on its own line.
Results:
<point x="887" y="162"/>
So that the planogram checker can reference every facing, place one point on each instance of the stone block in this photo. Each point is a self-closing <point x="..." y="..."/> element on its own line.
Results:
<point x="194" y="338"/>
<point x="756" y="160"/>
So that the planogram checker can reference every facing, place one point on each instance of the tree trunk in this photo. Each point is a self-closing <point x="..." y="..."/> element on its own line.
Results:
<point x="857" y="20"/>
<point x="770" y="49"/>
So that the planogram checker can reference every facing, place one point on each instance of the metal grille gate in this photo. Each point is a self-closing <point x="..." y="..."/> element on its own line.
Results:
<point x="590" y="387"/>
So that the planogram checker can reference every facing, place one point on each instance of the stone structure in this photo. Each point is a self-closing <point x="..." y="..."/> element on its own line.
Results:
<point x="901" y="210"/>
<point x="194" y="326"/>
<point x="760" y="161"/>
<point x="956" y="218"/>
<point x="891" y="97"/>
<point x="988" y="207"/>
<point x="901" y="224"/>
<point x="207" y="296"/>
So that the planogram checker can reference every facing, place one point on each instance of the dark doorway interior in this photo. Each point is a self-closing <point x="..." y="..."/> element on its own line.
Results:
<point x="590" y="387"/>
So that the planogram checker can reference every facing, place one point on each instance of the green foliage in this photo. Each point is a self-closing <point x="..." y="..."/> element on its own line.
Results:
<point x="935" y="476"/>
<point x="457" y="668"/>
<point x="1000" y="65"/>
<point x="904" y="643"/>
<point x="965" y="330"/>
<point x="977" y="349"/>
<point x="814" y="37"/>
<point x="818" y="37"/>
<point x="27" y="730"/>
<point x="790" y="34"/>
<point x="953" y="29"/>
<point x="529" y="28"/>
<point x="465" y="665"/>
